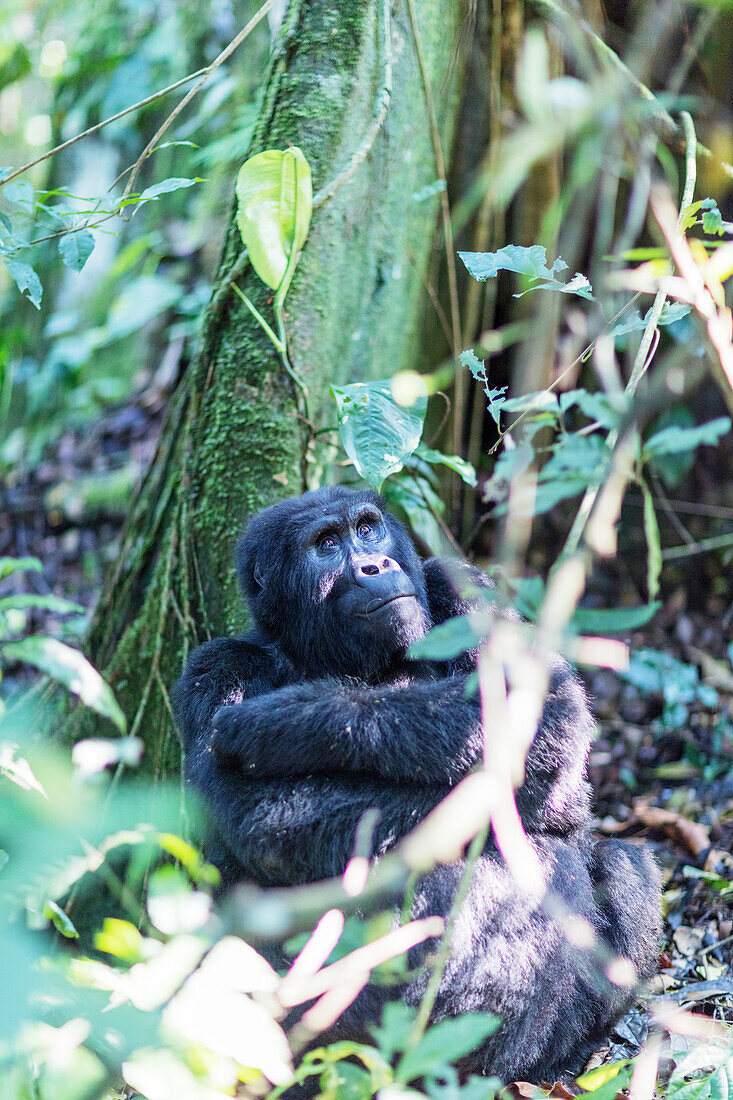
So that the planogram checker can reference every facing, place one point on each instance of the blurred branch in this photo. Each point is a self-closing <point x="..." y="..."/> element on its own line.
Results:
<point x="570" y="22"/>
<point x="219" y="60"/>
<point x="99" y="126"/>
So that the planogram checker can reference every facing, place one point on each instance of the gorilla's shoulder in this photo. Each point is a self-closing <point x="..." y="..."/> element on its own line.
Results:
<point x="454" y="588"/>
<point x="250" y="657"/>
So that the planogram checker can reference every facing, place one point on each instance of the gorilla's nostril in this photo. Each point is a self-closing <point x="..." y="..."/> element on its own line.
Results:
<point x="370" y="570"/>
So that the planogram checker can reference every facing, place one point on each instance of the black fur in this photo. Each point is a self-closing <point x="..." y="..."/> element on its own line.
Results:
<point x="294" y="730"/>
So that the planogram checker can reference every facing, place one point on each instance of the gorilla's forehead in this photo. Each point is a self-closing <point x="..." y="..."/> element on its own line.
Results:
<point x="339" y="517"/>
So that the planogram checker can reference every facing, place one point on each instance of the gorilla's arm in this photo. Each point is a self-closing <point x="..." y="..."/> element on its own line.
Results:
<point x="277" y="831"/>
<point x="427" y="732"/>
<point x="281" y="833"/>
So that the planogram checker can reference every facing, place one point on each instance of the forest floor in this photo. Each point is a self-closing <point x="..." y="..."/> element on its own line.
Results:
<point x="661" y="768"/>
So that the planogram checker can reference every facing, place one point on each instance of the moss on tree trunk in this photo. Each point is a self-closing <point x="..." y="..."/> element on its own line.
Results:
<point x="234" y="441"/>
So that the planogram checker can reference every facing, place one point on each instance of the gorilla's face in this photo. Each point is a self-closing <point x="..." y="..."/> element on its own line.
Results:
<point x="336" y="582"/>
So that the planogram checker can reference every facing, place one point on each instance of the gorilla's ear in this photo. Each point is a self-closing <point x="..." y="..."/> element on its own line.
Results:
<point x="258" y="579"/>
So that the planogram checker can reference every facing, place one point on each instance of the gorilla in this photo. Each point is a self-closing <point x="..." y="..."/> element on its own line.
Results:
<point x="295" y="729"/>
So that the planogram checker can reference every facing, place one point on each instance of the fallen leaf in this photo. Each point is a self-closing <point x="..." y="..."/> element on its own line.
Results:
<point x="690" y="834"/>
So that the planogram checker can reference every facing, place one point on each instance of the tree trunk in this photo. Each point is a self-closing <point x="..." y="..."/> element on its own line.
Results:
<point x="235" y="439"/>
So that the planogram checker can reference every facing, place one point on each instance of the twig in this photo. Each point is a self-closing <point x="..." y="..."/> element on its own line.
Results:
<point x="225" y="53"/>
<point x="716" y="542"/>
<point x="384" y="96"/>
<point x="100" y="125"/>
<point x="428" y="1002"/>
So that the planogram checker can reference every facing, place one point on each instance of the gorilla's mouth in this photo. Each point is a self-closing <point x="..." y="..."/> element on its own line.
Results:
<point x="377" y="605"/>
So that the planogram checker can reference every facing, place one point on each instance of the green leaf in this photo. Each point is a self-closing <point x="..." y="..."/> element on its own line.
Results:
<point x="530" y="261"/>
<point x="274" y="205"/>
<point x="579" y="284"/>
<point x="674" y="440"/>
<point x="539" y="401"/>
<point x="18" y="565"/>
<point x="76" y="248"/>
<point x="596" y="406"/>
<point x="454" y="462"/>
<point x="25" y="600"/>
<point x="653" y="543"/>
<point x="496" y="396"/>
<point x="612" y="620"/>
<point x="70" y="668"/>
<point x="413" y="495"/>
<point x="377" y="433"/>
<point x="60" y="921"/>
<point x="26" y="280"/>
<point x="173" y="183"/>
<point x="445" y="1043"/>
<point x="457" y="635"/>
<point x="672" y="468"/>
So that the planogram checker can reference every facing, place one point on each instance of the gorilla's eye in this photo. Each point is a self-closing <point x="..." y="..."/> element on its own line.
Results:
<point x="328" y="542"/>
<point x="363" y="530"/>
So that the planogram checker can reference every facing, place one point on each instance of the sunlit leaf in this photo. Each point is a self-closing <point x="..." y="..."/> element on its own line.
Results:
<point x="94" y="754"/>
<point x="121" y="939"/>
<point x="72" y="669"/>
<point x="596" y="1077"/>
<point x="18" y="770"/>
<point x="61" y="922"/>
<point x="531" y="261"/>
<point x="497" y="396"/>
<point x="274" y="204"/>
<point x="377" y="433"/>
<point x="454" y="462"/>
<point x="173" y="904"/>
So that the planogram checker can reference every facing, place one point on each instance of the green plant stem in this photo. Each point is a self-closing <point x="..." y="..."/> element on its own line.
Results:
<point x="428" y="1002"/>
<point x="277" y="342"/>
<point x="643" y="357"/>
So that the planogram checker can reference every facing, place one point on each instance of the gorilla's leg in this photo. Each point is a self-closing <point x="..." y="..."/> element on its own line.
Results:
<point x="626" y="885"/>
<point x="512" y="953"/>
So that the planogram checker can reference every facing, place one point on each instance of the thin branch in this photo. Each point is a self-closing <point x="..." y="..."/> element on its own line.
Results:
<point x="100" y="125"/>
<point x="645" y="352"/>
<point x="206" y="73"/>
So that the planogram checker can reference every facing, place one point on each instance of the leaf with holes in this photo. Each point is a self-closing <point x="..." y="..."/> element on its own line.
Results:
<point x="377" y="433"/>
<point x="76" y="248"/>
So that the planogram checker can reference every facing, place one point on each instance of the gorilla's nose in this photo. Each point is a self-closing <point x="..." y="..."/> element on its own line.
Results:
<point x="374" y="566"/>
